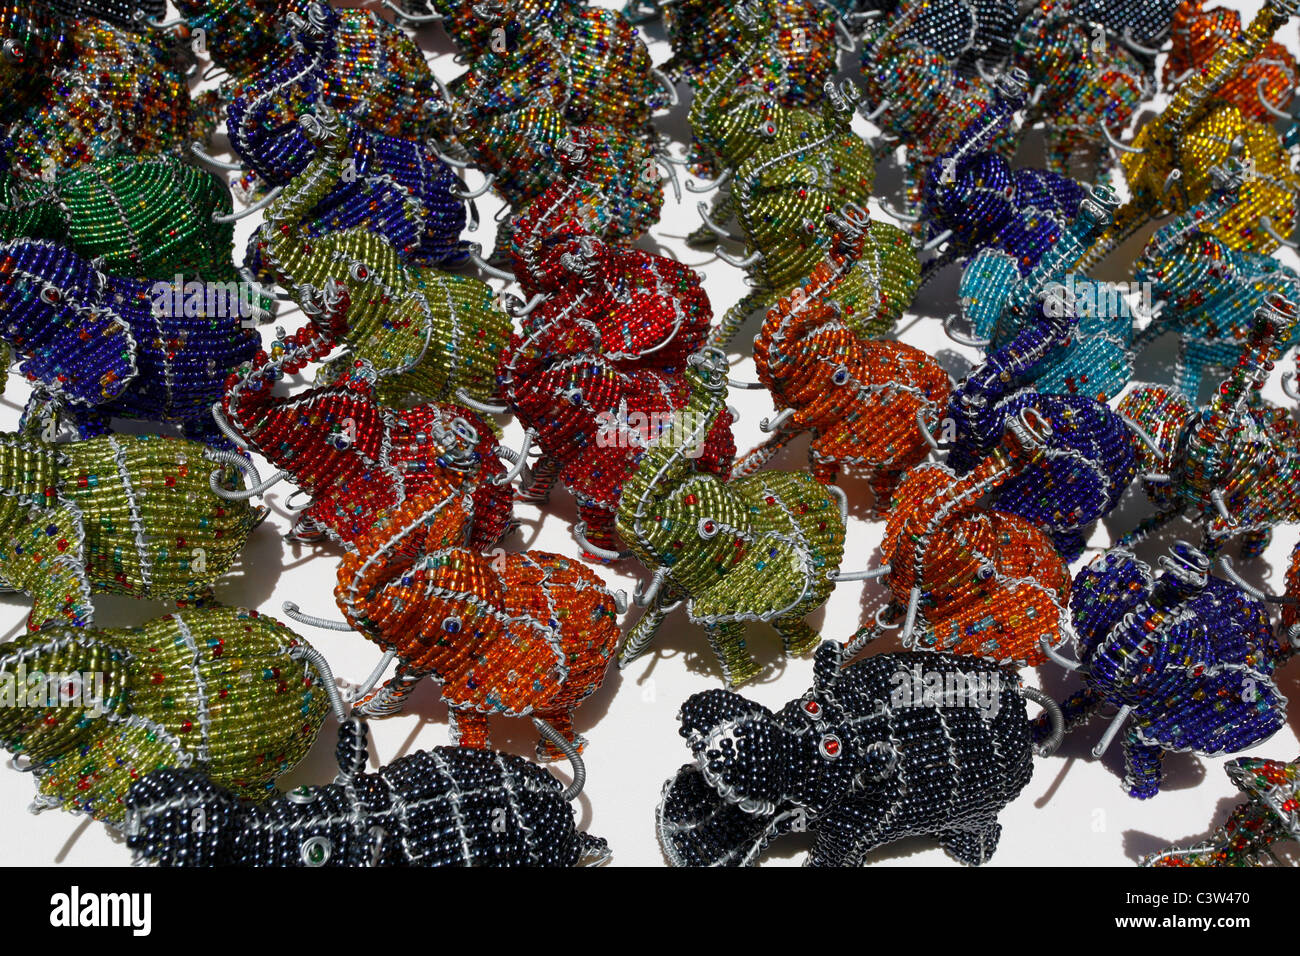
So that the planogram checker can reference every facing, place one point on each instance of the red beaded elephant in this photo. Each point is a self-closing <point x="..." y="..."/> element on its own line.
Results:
<point x="513" y="634"/>
<point x="353" y="456"/>
<point x="597" y="371"/>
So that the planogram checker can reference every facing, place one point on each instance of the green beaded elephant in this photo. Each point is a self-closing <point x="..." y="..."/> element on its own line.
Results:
<point x="788" y="168"/>
<point x="117" y="514"/>
<point x="765" y="547"/>
<point x="142" y="217"/>
<point x="427" y="333"/>
<point x="231" y="692"/>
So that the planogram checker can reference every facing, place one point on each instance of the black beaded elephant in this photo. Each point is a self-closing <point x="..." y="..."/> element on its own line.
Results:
<point x="892" y="746"/>
<point x="449" y="806"/>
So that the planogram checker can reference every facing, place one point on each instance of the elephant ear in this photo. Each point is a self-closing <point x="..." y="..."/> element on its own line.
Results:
<point x="1223" y="709"/>
<point x="986" y="285"/>
<point x="1104" y="592"/>
<point x="770" y="577"/>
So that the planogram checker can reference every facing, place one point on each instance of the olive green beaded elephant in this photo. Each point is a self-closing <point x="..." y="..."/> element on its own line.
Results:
<point x="227" y="691"/>
<point x="428" y="334"/>
<point x="765" y="547"/>
<point x="117" y="514"/>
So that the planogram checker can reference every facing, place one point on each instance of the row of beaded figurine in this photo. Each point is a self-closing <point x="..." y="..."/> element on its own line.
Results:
<point x="720" y="608"/>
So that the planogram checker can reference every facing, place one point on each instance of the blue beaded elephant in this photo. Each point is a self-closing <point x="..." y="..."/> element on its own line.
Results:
<point x="1188" y="658"/>
<point x="96" y="345"/>
<point x="999" y="303"/>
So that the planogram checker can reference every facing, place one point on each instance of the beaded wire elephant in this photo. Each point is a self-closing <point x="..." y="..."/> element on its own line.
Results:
<point x="967" y="578"/>
<point x="858" y="396"/>
<point x="353" y="456"/>
<point x="1264" y="86"/>
<point x="229" y="691"/>
<point x="803" y="168"/>
<point x="1085" y="75"/>
<point x="391" y="181"/>
<point x="806" y="34"/>
<point x="974" y="199"/>
<point x="448" y="806"/>
<point x="96" y="345"/>
<point x="1187" y="658"/>
<point x="1209" y="291"/>
<point x="865" y="757"/>
<point x="140" y="217"/>
<point x="915" y="87"/>
<point x="109" y="92"/>
<point x="581" y="83"/>
<point x="1089" y="455"/>
<point x="1267" y="817"/>
<point x="238" y="34"/>
<point x="596" y="371"/>
<point x="1232" y="465"/>
<point x="427" y="333"/>
<point x="1167" y="165"/>
<point x="1000" y="303"/>
<point x="763" y="547"/>
<point x="117" y="514"/>
<point x="512" y="634"/>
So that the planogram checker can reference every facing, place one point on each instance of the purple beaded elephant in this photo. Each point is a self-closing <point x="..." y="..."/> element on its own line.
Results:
<point x="97" y="346"/>
<point x="1187" y="658"/>
<point x="1087" y="457"/>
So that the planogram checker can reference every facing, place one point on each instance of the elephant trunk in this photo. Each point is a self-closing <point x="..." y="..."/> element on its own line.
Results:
<point x="668" y="459"/>
<point x="250" y="404"/>
<point x="1274" y="323"/>
<point x="1226" y="63"/>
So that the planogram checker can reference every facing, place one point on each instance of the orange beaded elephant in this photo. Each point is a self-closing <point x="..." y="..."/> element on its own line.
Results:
<point x="860" y="397"/>
<point x="512" y="634"/>
<point x="973" y="580"/>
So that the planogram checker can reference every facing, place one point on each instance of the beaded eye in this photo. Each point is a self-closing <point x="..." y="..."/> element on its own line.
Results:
<point x="830" y="746"/>
<point x="767" y="128"/>
<point x="451" y="625"/>
<point x="708" y="528"/>
<point x="359" y="272"/>
<point x="315" y="851"/>
<point x="812" y="709"/>
<point x="13" y="52"/>
<point x="841" y="376"/>
<point x="574" y="395"/>
<point x="51" y="295"/>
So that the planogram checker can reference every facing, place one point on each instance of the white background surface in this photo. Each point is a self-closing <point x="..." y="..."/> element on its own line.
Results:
<point x="1073" y="811"/>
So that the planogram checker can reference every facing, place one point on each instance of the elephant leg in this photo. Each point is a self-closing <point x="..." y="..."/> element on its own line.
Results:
<point x="1255" y="543"/>
<point x="469" y="728"/>
<point x="883" y="485"/>
<point x="1143" y="763"/>
<point x="1069" y="544"/>
<point x="797" y="635"/>
<point x="545" y="473"/>
<point x="825" y="471"/>
<point x="600" y="526"/>
<point x="728" y="643"/>
<point x="561" y="720"/>
<point x="973" y="847"/>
